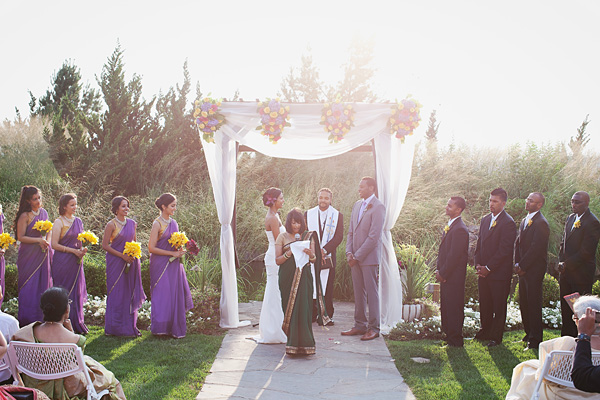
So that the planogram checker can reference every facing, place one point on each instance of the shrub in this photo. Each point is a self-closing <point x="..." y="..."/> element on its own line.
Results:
<point x="471" y="288"/>
<point x="416" y="272"/>
<point x="550" y="291"/>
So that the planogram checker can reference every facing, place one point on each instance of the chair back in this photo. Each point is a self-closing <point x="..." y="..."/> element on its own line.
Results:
<point x="46" y="361"/>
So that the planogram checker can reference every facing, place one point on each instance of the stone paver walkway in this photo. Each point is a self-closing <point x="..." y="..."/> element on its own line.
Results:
<point x="343" y="368"/>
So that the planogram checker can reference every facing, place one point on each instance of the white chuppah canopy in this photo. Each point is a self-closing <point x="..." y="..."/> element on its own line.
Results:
<point x="306" y="139"/>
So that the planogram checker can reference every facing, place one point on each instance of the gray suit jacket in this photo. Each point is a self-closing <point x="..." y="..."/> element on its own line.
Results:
<point x="364" y="236"/>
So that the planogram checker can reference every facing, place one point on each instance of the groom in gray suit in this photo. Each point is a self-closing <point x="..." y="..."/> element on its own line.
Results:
<point x="363" y="252"/>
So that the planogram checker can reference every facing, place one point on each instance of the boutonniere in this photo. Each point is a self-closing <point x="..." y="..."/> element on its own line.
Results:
<point x="577" y="224"/>
<point x="369" y="206"/>
<point x="446" y="229"/>
<point x="529" y="222"/>
<point x="493" y="225"/>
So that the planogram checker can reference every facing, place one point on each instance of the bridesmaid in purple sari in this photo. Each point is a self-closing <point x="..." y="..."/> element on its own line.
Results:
<point x="67" y="262"/>
<point x="35" y="255"/>
<point x="123" y="273"/>
<point x="2" y="266"/>
<point x="170" y="292"/>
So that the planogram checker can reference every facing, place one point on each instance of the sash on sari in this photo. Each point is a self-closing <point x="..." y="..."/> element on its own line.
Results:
<point x="125" y="290"/>
<point x="34" y="274"/>
<point x="170" y="292"/>
<point x="67" y="272"/>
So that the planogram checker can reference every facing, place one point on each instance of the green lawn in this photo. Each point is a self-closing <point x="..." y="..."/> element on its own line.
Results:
<point x="473" y="372"/>
<point x="151" y="367"/>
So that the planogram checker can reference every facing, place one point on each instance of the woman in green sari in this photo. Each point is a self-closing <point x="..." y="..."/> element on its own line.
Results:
<point x="296" y="286"/>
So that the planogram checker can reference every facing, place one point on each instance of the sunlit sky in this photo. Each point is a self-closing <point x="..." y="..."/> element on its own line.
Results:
<point x="496" y="72"/>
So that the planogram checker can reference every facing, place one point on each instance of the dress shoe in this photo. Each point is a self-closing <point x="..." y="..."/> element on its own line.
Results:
<point x="492" y="343"/>
<point x="525" y="339"/>
<point x="532" y="346"/>
<point x="370" y="335"/>
<point x="330" y="323"/>
<point x="353" y="332"/>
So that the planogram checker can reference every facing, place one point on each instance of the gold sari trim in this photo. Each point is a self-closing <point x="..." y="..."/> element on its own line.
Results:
<point x="75" y="281"/>
<point x="118" y="279"/>
<point x="36" y="270"/>
<point x="300" y="350"/>
<point x="161" y="275"/>
<point x="292" y="302"/>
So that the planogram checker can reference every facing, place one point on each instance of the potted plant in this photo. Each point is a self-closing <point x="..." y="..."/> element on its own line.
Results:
<point x="415" y="272"/>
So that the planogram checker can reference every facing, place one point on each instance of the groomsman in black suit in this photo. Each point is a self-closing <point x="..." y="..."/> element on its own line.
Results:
<point x="494" y="263"/>
<point x="577" y="257"/>
<point x="451" y="272"/>
<point x="531" y="259"/>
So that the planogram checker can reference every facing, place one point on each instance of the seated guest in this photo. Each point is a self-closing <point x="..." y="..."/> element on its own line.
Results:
<point x="8" y="326"/>
<point x="526" y="374"/>
<point x="57" y="328"/>
<point x="585" y="375"/>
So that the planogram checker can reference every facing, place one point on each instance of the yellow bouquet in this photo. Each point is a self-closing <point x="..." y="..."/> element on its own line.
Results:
<point x="6" y="240"/>
<point x="43" y="226"/>
<point x="86" y="238"/>
<point x="132" y="249"/>
<point x="178" y="240"/>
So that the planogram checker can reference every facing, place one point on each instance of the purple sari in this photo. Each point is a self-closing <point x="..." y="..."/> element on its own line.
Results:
<point x="171" y="296"/>
<point x="2" y="266"/>
<point x="67" y="272"/>
<point x="125" y="291"/>
<point x="34" y="274"/>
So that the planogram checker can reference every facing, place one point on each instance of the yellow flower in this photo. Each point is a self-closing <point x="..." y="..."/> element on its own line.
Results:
<point x="204" y="114"/>
<point x="346" y="112"/>
<point x="577" y="224"/>
<point x="348" y="122"/>
<point x="201" y="126"/>
<point x="133" y="249"/>
<point x="210" y="112"/>
<point x="6" y="240"/>
<point x="196" y="102"/>
<point x="529" y="222"/>
<point x="400" y="106"/>
<point x="282" y="111"/>
<point x="446" y="229"/>
<point x="493" y="225"/>
<point x="178" y="240"/>
<point x="267" y="110"/>
<point x="337" y="130"/>
<point x="339" y="125"/>
<point x="326" y="105"/>
<point x="196" y="112"/>
<point x="322" y="118"/>
<point x="43" y="226"/>
<point x="328" y="113"/>
<point x="86" y="238"/>
<point x="273" y="114"/>
<point x="287" y="108"/>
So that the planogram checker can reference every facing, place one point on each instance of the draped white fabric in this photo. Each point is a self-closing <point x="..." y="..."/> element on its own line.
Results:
<point x="306" y="139"/>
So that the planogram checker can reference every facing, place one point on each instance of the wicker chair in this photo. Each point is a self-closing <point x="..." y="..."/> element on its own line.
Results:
<point x="557" y="369"/>
<point x="48" y="361"/>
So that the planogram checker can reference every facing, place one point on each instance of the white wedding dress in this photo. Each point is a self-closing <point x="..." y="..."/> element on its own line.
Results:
<point x="271" y="313"/>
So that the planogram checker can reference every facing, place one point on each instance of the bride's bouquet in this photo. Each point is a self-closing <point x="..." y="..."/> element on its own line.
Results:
<point x="43" y="226"/>
<point x="178" y="240"/>
<point x="132" y="249"/>
<point x="86" y="238"/>
<point x="6" y="240"/>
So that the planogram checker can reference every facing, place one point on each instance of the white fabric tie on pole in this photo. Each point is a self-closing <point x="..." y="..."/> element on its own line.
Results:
<point x="305" y="139"/>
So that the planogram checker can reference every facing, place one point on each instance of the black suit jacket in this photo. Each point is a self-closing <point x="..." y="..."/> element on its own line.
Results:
<point x="585" y="376"/>
<point x="578" y="248"/>
<point x="531" y="246"/>
<point x="495" y="246"/>
<point x="336" y="240"/>
<point x="454" y="252"/>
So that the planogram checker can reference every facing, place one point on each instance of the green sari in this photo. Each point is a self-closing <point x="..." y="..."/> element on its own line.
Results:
<point x="296" y="288"/>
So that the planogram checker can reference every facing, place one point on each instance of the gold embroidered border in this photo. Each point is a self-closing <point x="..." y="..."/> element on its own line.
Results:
<point x="77" y="277"/>
<point x="292" y="301"/>
<point x="161" y="275"/>
<point x="118" y="279"/>
<point x="300" y="350"/>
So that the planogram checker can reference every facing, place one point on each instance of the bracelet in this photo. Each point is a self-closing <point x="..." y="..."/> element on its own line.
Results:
<point x="312" y="259"/>
<point x="286" y="256"/>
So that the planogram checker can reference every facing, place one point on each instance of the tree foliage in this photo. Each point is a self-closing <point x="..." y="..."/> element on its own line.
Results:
<point x="582" y="138"/>
<point x="432" y="127"/>
<point x="114" y="137"/>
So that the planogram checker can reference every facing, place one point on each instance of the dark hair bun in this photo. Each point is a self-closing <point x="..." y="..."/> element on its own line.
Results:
<point x="164" y="200"/>
<point x="270" y="196"/>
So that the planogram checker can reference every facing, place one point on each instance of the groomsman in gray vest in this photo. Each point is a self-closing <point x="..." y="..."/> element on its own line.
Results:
<point x="329" y="225"/>
<point x="363" y="252"/>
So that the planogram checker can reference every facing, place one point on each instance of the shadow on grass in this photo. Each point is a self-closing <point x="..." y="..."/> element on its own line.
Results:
<point x="152" y="367"/>
<point x="468" y="375"/>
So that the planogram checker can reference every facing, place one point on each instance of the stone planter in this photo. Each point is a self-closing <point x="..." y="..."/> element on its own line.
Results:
<point x="410" y="312"/>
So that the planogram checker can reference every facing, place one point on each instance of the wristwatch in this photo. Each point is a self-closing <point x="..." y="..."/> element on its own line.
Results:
<point x="582" y="336"/>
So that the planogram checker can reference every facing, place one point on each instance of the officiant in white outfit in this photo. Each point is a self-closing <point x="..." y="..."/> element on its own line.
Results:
<point x="328" y="223"/>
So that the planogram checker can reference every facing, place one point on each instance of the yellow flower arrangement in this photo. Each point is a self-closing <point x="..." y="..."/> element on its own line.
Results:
<point x="133" y="249"/>
<point x="577" y="224"/>
<point x="529" y="222"/>
<point x="6" y="240"/>
<point x="405" y="118"/>
<point x="493" y="225"/>
<point x="87" y="238"/>
<point x="338" y="119"/>
<point x="446" y="229"/>
<point x="43" y="226"/>
<point x="178" y="240"/>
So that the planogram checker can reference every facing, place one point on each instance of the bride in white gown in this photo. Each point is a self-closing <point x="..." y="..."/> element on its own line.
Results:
<point x="271" y="313"/>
